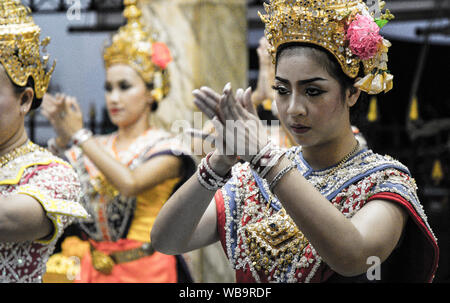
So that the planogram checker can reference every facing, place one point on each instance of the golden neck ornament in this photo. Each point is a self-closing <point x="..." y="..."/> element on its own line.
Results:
<point x="26" y="148"/>
<point x="338" y="166"/>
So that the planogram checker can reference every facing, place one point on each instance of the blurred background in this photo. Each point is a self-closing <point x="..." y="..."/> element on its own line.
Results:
<point x="410" y="123"/>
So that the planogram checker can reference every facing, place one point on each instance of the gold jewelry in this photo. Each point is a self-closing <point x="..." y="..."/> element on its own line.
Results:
<point x="348" y="156"/>
<point x="103" y="187"/>
<point x="134" y="46"/>
<point x="20" y="47"/>
<point x="345" y="28"/>
<point x="102" y="262"/>
<point x="26" y="148"/>
<point x="274" y="241"/>
<point x="105" y="263"/>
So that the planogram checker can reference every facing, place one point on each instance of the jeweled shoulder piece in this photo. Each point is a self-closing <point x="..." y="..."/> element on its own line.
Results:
<point x="274" y="241"/>
<point x="134" y="45"/>
<point x="345" y="28"/>
<point x="20" y="47"/>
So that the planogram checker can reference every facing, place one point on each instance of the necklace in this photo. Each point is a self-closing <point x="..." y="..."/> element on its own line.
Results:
<point x="20" y="151"/>
<point x="348" y="156"/>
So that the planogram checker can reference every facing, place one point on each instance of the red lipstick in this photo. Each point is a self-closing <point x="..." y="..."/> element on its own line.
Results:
<point x="114" y="111"/>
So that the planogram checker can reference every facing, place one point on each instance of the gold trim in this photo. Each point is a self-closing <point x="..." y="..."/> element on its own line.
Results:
<point x="23" y="168"/>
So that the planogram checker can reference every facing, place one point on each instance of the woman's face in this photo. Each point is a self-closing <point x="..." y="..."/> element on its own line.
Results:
<point x="127" y="96"/>
<point x="11" y="111"/>
<point x="309" y="100"/>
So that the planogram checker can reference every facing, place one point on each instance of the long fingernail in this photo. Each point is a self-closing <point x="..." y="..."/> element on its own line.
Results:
<point x="227" y="87"/>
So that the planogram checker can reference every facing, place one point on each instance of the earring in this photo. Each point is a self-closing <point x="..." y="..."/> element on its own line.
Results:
<point x="157" y="94"/>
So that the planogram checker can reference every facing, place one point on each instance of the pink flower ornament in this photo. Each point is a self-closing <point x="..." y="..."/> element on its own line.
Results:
<point x="363" y="36"/>
<point x="161" y="55"/>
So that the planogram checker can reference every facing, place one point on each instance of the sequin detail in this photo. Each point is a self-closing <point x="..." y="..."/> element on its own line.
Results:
<point x="245" y="199"/>
<point x="54" y="184"/>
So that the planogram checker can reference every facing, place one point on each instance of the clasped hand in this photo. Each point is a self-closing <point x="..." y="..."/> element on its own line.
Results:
<point x="238" y="130"/>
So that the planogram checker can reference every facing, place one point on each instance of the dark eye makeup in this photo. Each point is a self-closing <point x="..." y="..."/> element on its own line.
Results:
<point x="281" y="90"/>
<point x="123" y="85"/>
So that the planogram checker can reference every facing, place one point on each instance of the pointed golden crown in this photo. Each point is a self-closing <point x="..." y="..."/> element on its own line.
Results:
<point x="133" y="45"/>
<point x="345" y="28"/>
<point x="20" y="47"/>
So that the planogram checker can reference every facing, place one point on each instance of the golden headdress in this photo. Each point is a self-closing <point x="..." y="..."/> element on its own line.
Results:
<point x="134" y="46"/>
<point x="346" y="28"/>
<point x="20" y="47"/>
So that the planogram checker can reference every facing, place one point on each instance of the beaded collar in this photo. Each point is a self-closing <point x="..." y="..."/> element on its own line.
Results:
<point x="26" y="148"/>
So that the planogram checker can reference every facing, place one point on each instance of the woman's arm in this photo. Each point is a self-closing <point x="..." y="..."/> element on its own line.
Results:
<point x="66" y="117"/>
<point x="132" y="182"/>
<point x="22" y="218"/>
<point x="188" y="220"/>
<point x="344" y="244"/>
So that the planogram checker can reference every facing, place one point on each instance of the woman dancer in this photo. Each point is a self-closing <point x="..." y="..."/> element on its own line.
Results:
<point x="128" y="175"/>
<point x="326" y="210"/>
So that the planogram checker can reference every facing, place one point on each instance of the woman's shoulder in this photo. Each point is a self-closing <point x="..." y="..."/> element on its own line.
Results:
<point x="382" y="169"/>
<point x="38" y="158"/>
<point x="47" y="178"/>
<point x="368" y="159"/>
<point x="389" y="176"/>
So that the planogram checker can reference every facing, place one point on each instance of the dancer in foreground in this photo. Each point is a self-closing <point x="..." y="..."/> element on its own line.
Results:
<point x="326" y="210"/>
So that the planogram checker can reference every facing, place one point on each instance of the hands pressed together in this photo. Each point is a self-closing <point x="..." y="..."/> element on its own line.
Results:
<point x="238" y="130"/>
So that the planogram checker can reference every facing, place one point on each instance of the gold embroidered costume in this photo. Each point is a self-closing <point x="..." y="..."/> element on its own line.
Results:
<point x="258" y="236"/>
<point x="35" y="172"/>
<point x="29" y="169"/>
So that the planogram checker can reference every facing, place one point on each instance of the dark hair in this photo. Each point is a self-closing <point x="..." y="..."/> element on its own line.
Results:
<point x="20" y="89"/>
<point x="331" y="65"/>
<point x="155" y="104"/>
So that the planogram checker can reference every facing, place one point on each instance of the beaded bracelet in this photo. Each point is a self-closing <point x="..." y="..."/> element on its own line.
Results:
<point x="266" y="159"/>
<point x="81" y="136"/>
<point x="255" y="161"/>
<point x="208" y="178"/>
<point x="280" y="175"/>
